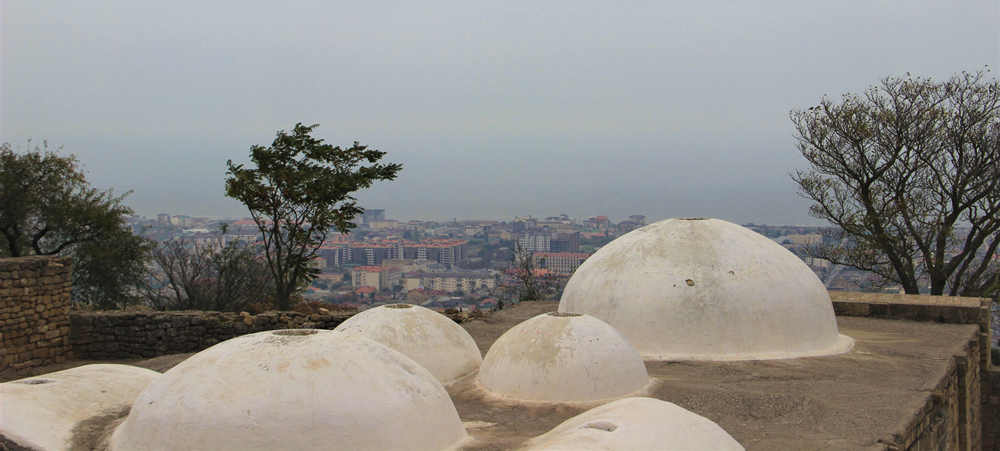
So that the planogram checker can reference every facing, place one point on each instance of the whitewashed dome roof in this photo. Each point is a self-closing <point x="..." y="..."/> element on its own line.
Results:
<point x="298" y="389"/>
<point x="44" y="412"/>
<point x="563" y="357"/>
<point x="699" y="288"/>
<point x="429" y="338"/>
<point x="636" y="423"/>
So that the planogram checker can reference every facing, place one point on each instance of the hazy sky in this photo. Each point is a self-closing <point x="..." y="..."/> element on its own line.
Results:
<point x="662" y="108"/>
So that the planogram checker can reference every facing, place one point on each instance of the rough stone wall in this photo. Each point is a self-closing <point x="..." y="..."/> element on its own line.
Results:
<point x="991" y="411"/>
<point x="129" y="335"/>
<point x="963" y="411"/>
<point x="34" y="311"/>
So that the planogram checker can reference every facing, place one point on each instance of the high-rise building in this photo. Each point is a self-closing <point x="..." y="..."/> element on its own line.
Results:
<point x="534" y="241"/>
<point x="373" y="253"/>
<point x="372" y="214"/>
<point x="565" y="242"/>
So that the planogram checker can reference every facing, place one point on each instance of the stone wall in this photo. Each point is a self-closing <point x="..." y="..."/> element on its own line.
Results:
<point x="963" y="411"/>
<point x="950" y="417"/>
<point x="130" y="335"/>
<point x="991" y="411"/>
<point x="34" y="311"/>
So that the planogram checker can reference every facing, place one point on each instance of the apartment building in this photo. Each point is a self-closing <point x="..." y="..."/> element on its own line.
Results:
<point x="373" y="253"/>
<point x="534" y="241"/>
<point x="560" y="262"/>
<point x="805" y="240"/>
<point x="444" y="251"/>
<point x="448" y="281"/>
<point x="379" y="277"/>
<point x="565" y="242"/>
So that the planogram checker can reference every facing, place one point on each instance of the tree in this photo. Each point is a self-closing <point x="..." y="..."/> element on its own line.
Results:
<point x="530" y="281"/>
<point x="207" y="276"/>
<point x="47" y="207"/>
<point x="909" y="173"/>
<point x="300" y="189"/>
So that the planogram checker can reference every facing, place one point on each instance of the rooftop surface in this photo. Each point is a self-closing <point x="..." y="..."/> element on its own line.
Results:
<point x="841" y="402"/>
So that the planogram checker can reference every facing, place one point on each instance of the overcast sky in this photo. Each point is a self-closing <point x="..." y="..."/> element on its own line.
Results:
<point x="662" y="108"/>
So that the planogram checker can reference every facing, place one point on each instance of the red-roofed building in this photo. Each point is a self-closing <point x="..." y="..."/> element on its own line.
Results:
<point x="365" y="292"/>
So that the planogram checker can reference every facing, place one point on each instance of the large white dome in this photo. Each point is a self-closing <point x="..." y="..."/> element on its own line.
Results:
<point x="706" y="289"/>
<point x="636" y="423"/>
<point x="429" y="338"/>
<point x="296" y="389"/>
<point x="563" y="357"/>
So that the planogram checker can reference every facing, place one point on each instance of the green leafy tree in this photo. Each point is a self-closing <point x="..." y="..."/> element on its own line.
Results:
<point x="47" y="207"/>
<point x="300" y="189"/>
<point x="909" y="173"/>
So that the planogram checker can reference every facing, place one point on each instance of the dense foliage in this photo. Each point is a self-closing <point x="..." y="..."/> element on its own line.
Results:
<point x="47" y="207"/>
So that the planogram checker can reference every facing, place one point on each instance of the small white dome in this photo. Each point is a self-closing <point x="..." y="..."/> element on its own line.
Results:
<point x="635" y="423"/>
<point x="42" y="412"/>
<point x="706" y="289"/>
<point x="563" y="357"/>
<point x="429" y="338"/>
<point x="297" y="389"/>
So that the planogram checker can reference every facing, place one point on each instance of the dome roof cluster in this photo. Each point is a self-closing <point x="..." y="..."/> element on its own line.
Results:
<point x="677" y="289"/>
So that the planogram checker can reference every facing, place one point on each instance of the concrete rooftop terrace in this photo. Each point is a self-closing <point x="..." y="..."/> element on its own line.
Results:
<point x="861" y="400"/>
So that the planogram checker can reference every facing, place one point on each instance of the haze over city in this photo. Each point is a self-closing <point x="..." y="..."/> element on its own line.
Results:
<point x="495" y="109"/>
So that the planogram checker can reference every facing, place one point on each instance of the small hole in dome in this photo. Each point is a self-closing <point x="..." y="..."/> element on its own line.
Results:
<point x="605" y="426"/>
<point x="690" y="282"/>
<point x="399" y="306"/>
<point x="693" y="219"/>
<point x="34" y="381"/>
<point x="295" y="332"/>
<point x="565" y="314"/>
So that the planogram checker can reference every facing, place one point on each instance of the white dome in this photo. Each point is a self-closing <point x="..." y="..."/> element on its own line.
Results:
<point x="565" y="357"/>
<point x="41" y="412"/>
<point x="635" y="423"/>
<point x="297" y="389"/>
<point x="706" y="289"/>
<point x="429" y="338"/>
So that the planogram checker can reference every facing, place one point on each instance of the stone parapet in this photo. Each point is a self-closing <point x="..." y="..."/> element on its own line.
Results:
<point x="964" y="412"/>
<point x="941" y="309"/>
<point x="131" y="335"/>
<point x="34" y="311"/>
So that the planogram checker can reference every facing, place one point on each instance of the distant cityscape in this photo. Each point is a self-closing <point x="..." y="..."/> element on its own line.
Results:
<point x="460" y="264"/>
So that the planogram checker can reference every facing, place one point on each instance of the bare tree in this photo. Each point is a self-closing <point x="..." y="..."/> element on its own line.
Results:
<point x="524" y="280"/>
<point x="207" y="276"/>
<point x="909" y="173"/>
